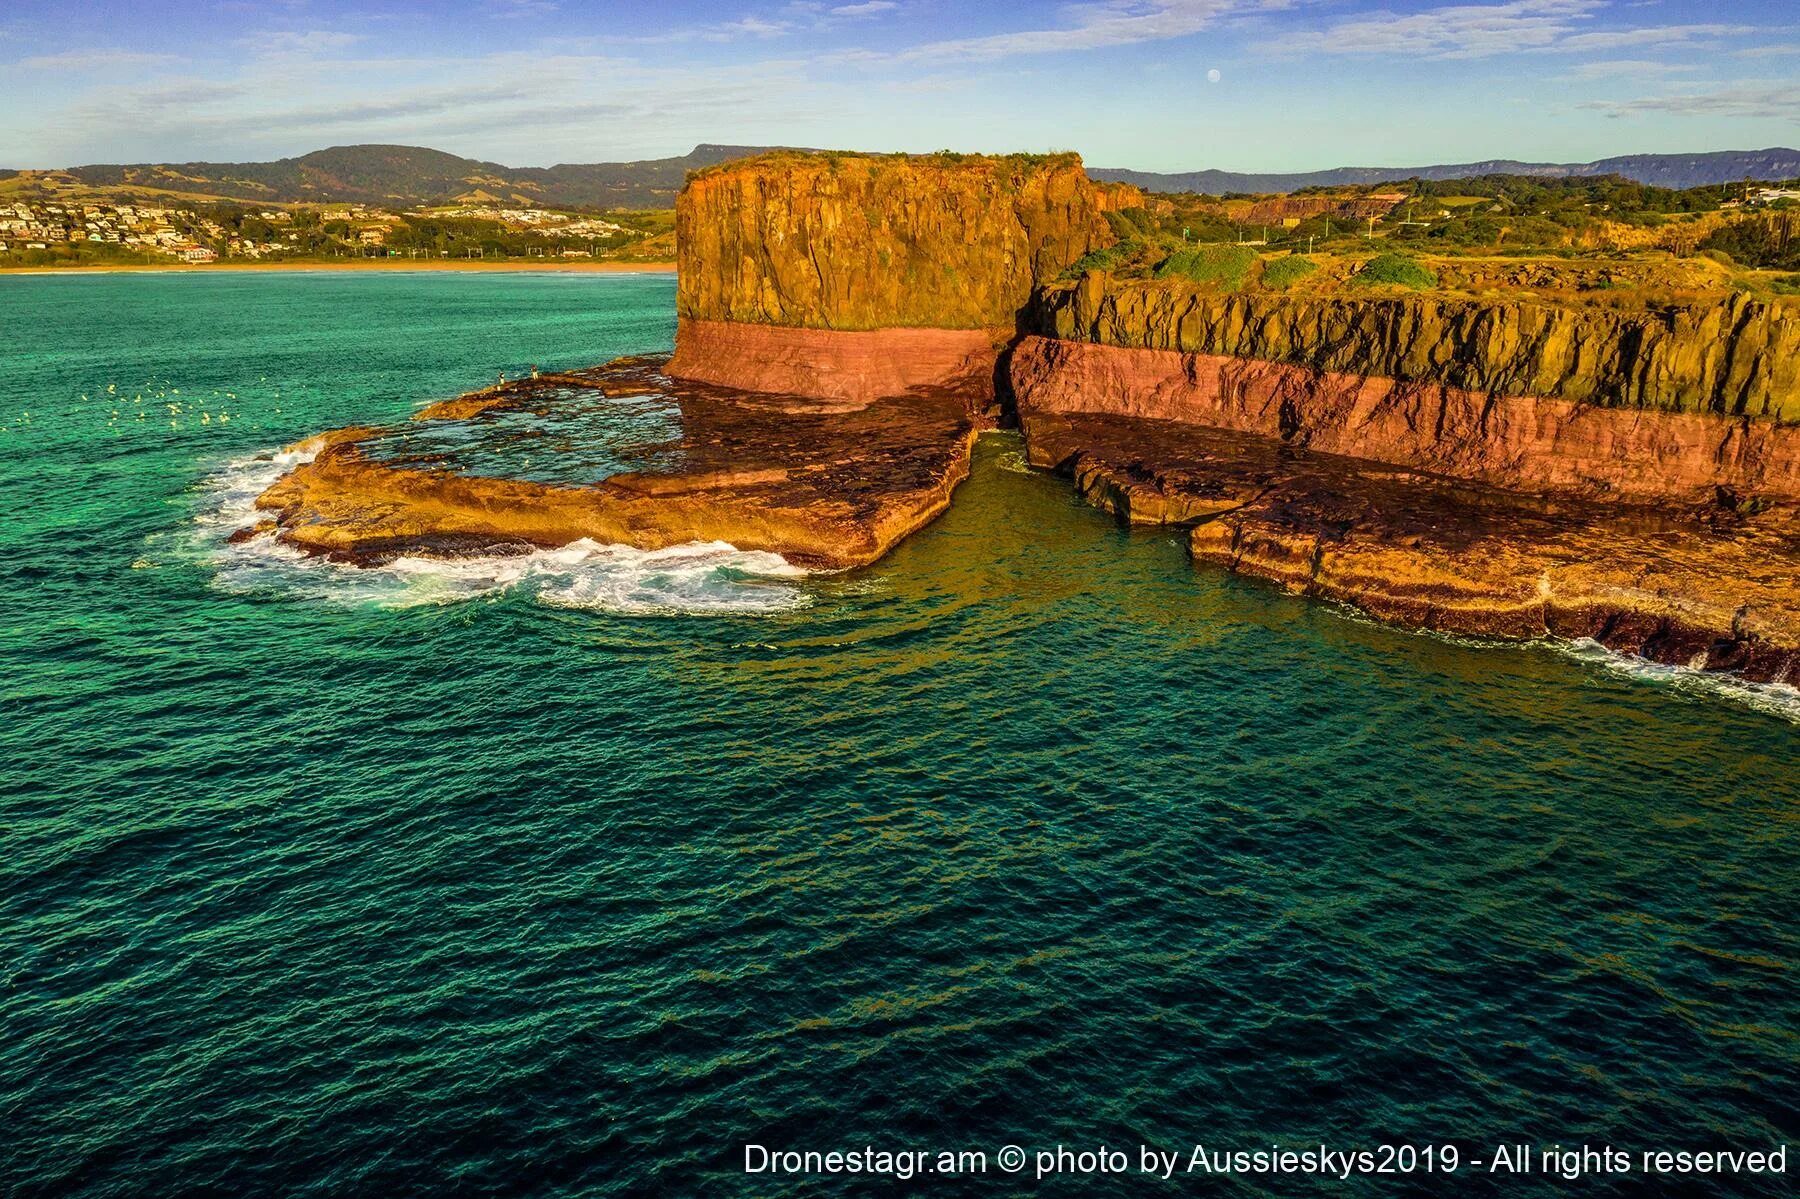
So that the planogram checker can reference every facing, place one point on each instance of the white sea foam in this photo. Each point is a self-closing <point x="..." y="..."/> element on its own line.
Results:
<point x="1776" y="699"/>
<point x="1011" y="459"/>
<point x="698" y="577"/>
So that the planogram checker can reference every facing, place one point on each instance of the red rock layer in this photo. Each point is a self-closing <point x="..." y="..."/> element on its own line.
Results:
<point x="851" y="368"/>
<point x="1517" y="442"/>
<point x="1702" y="587"/>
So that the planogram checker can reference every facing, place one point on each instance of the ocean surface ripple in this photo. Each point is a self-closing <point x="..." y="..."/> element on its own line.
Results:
<point x="319" y="883"/>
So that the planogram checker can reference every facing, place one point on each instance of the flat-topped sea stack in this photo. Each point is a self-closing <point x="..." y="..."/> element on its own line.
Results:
<point x="852" y="276"/>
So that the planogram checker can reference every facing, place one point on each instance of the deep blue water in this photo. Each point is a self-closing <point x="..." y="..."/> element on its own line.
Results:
<point x="575" y="881"/>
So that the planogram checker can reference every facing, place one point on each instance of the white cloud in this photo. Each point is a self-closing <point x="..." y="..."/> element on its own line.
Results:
<point x="743" y="29"/>
<point x="1468" y="31"/>
<point x="1096" y="26"/>
<point x="87" y="60"/>
<point x="1460" y="31"/>
<point x="1639" y="67"/>
<point x="513" y="107"/>
<point x="1657" y="35"/>
<point x="867" y="9"/>
<point x="1750" y="101"/>
<point x="309" y="43"/>
<point x="523" y="8"/>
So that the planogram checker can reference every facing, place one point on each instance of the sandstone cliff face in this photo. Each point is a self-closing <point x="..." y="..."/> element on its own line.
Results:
<point x="1732" y="357"/>
<point x="845" y="241"/>
<point x="1522" y="443"/>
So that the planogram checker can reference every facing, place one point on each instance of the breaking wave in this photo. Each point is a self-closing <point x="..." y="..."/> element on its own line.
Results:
<point x="698" y="577"/>
<point x="1774" y="699"/>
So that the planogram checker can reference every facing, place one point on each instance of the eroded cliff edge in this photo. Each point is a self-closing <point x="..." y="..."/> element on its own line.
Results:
<point x="1625" y="472"/>
<point x="852" y="276"/>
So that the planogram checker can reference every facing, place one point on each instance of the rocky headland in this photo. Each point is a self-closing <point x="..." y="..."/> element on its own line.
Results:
<point x="842" y="324"/>
<point x="1518" y="463"/>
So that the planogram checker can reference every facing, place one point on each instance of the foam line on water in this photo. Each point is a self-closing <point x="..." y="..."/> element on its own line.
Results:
<point x="1775" y="699"/>
<point x="712" y="577"/>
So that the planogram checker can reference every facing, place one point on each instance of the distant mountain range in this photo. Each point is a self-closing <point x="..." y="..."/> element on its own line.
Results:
<point x="415" y="175"/>
<point x="1661" y="170"/>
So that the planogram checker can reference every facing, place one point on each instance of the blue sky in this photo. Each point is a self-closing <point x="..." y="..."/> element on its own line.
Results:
<point x="1299" y="84"/>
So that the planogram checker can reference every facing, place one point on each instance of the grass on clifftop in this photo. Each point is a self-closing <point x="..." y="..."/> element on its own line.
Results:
<point x="1282" y="273"/>
<point x="1401" y="270"/>
<point x="1225" y="267"/>
<point x="833" y="159"/>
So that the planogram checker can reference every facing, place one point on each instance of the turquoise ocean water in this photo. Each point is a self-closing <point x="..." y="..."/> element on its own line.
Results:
<point x="573" y="875"/>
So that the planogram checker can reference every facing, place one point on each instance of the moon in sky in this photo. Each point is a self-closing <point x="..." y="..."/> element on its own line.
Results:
<point x="1212" y="76"/>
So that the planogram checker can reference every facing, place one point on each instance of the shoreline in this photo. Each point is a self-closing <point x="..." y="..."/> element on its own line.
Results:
<point x="604" y="268"/>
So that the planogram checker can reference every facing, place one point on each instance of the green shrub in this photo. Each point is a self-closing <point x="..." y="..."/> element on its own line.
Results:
<point x="1133" y="224"/>
<point x="1283" y="273"/>
<point x="1223" y="266"/>
<point x="1109" y="259"/>
<point x="1402" y="270"/>
<point x="1764" y="242"/>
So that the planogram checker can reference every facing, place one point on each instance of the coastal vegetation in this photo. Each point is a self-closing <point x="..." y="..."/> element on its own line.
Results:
<point x="1579" y="235"/>
<point x="1279" y="274"/>
<point x="1223" y="267"/>
<point x="1397" y="270"/>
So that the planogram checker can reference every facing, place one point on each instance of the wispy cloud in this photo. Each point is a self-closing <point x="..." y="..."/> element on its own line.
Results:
<point x="1469" y="31"/>
<point x="1774" y="50"/>
<point x="743" y="29"/>
<point x="1657" y="36"/>
<point x="1459" y="31"/>
<point x="1776" y="101"/>
<point x="536" y="101"/>
<point x="1095" y="26"/>
<point x="515" y="9"/>
<point x="90" y="60"/>
<point x="309" y="43"/>
<point x="867" y="9"/>
<point x="1639" y="68"/>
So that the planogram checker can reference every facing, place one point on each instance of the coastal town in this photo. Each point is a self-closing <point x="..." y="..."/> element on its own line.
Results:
<point x="167" y="231"/>
<point x="42" y="231"/>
